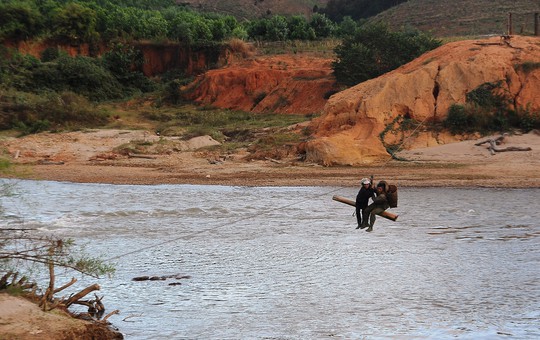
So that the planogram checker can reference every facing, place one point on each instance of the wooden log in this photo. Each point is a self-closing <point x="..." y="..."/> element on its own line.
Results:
<point x="73" y="280"/>
<point x="493" y="142"/>
<point x="134" y="155"/>
<point x="384" y="214"/>
<point x="81" y="294"/>
<point x="512" y="148"/>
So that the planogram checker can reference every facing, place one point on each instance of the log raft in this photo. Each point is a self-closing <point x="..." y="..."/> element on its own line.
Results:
<point x="385" y="214"/>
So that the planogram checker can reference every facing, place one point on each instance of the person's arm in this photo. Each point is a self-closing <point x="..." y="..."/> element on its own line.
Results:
<point x="380" y="199"/>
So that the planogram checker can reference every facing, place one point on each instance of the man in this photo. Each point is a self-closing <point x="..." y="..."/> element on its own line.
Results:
<point x="362" y="198"/>
<point x="379" y="205"/>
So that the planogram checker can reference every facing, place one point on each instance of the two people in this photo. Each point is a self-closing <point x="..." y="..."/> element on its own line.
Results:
<point x="365" y="212"/>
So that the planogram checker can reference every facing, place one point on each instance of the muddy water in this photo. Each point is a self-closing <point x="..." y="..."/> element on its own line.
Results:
<point x="287" y="263"/>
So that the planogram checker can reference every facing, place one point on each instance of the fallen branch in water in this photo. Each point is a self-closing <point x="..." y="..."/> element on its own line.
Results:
<point x="81" y="294"/>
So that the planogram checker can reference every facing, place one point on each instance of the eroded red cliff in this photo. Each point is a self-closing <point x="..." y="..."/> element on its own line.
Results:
<point x="275" y="84"/>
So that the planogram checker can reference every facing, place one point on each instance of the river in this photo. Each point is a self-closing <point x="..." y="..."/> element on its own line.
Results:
<point x="288" y="263"/>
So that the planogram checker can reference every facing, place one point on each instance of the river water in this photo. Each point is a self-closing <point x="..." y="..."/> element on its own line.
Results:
<point x="287" y="262"/>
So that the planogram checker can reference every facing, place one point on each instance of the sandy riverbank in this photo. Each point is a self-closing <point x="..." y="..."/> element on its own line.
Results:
<point x="22" y="319"/>
<point x="87" y="157"/>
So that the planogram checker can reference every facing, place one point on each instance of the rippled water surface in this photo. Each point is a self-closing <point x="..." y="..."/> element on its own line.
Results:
<point x="287" y="263"/>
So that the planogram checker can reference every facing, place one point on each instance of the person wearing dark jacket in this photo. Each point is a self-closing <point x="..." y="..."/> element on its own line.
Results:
<point x="380" y="204"/>
<point x="362" y="199"/>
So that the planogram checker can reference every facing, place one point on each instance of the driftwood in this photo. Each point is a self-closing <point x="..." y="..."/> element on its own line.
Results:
<point x="73" y="280"/>
<point x="116" y="311"/>
<point x="135" y="155"/>
<point x="21" y="284"/>
<point x="49" y="162"/>
<point x="493" y="142"/>
<point x="132" y="316"/>
<point x="160" y="278"/>
<point x="104" y="157"/>
<point x="81" y="294"/>
<point x="274" y="160"/>
<point x="384" y="214"/>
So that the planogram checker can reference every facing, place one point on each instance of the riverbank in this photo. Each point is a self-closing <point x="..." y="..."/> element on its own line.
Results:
<point x="88" y="157"/>
<point x="23" y="319"/>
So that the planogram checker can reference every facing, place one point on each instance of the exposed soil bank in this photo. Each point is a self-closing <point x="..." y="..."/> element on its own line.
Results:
<point x="23" y="319"/>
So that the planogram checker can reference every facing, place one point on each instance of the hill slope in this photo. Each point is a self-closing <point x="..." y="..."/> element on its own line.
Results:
<point x="462" y="17"/>
<point x="250" y="9"/>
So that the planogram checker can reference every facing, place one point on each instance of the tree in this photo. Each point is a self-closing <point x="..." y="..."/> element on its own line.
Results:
<point x="299" y="28"/>
<point x="19" y="21"/>
<point x="74" y="22"/>
<point x="322" y="26"/>
<point x="257" y="29"/>
<point x="346" y="27"/>
<point x="374" y="50"/>
<point x="277" y="29"/>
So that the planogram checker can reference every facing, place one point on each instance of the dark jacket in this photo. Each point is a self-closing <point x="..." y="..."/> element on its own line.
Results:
<point x="363" y="196"/>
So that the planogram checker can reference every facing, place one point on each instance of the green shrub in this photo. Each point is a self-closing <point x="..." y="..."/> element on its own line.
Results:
<point x="31" y="113"/>
<point x="125" y="64"/>
<point x="489" y="108"/>
<point x="528" y="120"/>
<point x="70" y="108"/>
<point x="52" y="53"/>
<point x="19" y="21"/>
<point x="373" y="50"/>
<point x="87" y="77"/>
<point x="489" y="96"/>
<point x="457" y="120"/>
<point x="4" y="164"/>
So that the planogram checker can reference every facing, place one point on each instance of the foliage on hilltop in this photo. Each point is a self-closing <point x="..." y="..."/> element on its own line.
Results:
<point x="372" y="50"/>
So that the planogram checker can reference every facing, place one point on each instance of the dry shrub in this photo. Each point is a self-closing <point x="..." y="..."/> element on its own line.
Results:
<point x="240" y="48"/>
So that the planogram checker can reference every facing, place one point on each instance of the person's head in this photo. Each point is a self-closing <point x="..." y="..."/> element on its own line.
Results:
<point x="365" y="182"/>
<point x="381" y="187"/>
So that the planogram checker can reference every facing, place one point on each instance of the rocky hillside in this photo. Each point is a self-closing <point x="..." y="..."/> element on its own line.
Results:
<point x="462" y="17"/>
<point x="423" y="90"/>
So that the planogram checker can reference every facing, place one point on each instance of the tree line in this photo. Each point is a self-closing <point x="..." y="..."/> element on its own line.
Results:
<point x="105" y="21"/>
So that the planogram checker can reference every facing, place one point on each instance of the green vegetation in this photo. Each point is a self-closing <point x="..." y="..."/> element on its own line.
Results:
<point x="487" y="109"/>
<point x="222" y="125"/>
<point x="31" y="113"/>
<point x="396" y="132"/>
<point x="337" y="10"/>
<point x="372" y="50"/>
<point x="57" y="91"/>
<point x="105" y="21"/>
